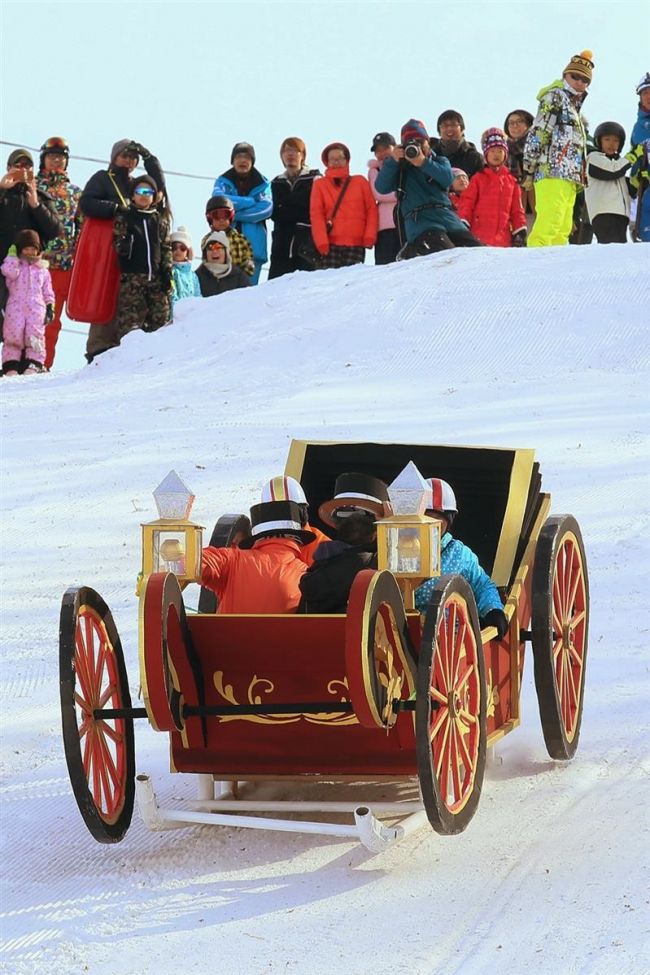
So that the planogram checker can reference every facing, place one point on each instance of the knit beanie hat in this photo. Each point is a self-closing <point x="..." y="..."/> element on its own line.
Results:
<point x="413" y="129"/>
<point x="293" y="142"/>
<point x="27" y="238"/>
<point x="242" y="148"/>
<point x="18" y="154"/>
<point x="494" y="139"/>
<point x="457" y="171"/>
<point x="450" y="115"/>
<point x="581" y="64"/>
<point x="182" y="236"/>
<point x="334" y="145"/>
<point x="119" y="147"/>
<point x="221" y="237"/>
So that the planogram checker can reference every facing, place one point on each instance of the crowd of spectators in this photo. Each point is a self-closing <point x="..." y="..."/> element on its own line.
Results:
<point x="539" y="181"/>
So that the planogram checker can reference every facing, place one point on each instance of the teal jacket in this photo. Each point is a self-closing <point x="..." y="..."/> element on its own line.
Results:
<point x="425" y="203"/>
<point x="184" y="282"/>
<point x="459" y="559"/>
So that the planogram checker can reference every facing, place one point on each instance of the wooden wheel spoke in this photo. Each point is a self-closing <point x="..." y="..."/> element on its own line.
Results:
<point x="108" y="763"/>
<point x="83" y="703"/>
<point x="467" y="673"/>
<point x="557" y="647"/>
<point x="85" y="726"/>
<point x="90" y="656"/>
<point x="572" y="691"/>
<point x="441" y="716"/>
<point x="81" y="666"/>
<point x="437" y="696"/>
<point x="438" y="671"/>
<point x="455" y="763"/>
<point x="467" y="717"/>
<point x="110" y="692"/>
<point x="578" y="619"/>
<point x="459" y="649"/>
<point x="557" y="602"/>
<point x="576" y="657"/>
<point x="112" y="733"/>
<point x="442" y="748"/>
<point x="462" y="745"/>
<point x="574" y="586"/>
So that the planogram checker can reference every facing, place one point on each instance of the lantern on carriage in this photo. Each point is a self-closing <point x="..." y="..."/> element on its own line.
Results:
<point x="172" y="543"/>
<point x="408" y="543"/>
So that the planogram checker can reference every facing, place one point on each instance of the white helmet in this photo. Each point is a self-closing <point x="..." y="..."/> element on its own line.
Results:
<point x="442" y="497"/>
<point x="283" y="489"/>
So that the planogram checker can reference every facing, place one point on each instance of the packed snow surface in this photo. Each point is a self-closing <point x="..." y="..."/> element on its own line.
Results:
<point x="542" y="348"/>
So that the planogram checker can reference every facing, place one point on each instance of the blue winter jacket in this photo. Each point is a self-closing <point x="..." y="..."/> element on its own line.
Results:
<point x="184" y="281"/>
<point x="425" y="204"/>
<point x="459" y="559"/>
<point x="250" y="211"/>
<point x="641" y="130"/>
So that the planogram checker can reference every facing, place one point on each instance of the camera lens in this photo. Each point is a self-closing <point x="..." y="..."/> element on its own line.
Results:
<point x="411" y="151"/>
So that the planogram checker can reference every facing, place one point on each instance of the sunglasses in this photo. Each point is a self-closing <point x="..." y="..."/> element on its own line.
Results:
<point x="579" y="77"/>
<point x="221" y="214"/>
<point x="178" y="246"/>
<point x="144" y="191"/>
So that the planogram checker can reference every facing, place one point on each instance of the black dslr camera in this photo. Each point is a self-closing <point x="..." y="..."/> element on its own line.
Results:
<point x="411" y="149"/>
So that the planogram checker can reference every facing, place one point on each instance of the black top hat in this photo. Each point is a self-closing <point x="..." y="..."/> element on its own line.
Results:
<point x="357" y="491"/>
<point x="273" y="517"/>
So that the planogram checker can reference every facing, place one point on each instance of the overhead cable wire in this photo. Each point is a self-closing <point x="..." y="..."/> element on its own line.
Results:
<point x="167" y="172"/>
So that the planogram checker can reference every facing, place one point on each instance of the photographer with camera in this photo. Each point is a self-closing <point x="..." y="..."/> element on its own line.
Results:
<point x="107" y="193"/>
<point x="421" y="180"/>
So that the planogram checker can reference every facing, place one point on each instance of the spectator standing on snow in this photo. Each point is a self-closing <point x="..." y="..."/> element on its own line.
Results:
<point x="516" y="127"/>
<point x="343" y="211"/>
<point x="185" y="283"/>
<point x="291" y="192"/>
<point x="491" y="204"/>
<point x="453" y="145"/>
<point x="555" y="152"/>
<point x="641" y="130"/>
<point x="250" y="194"/>
<point x="105" y="194"/>
<point x="53" y="179"/>
<point x="30" y="303"/>
<point x="606" y="194"/>
<point x="639" y="174"/>
<point x="422" y="181"/>
<point x="388" y="241"/>
<point x="141" y="238"/>
<point x="217" y="273"/>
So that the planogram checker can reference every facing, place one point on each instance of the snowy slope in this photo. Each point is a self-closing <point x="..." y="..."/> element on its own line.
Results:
<point x="545" y="349"/>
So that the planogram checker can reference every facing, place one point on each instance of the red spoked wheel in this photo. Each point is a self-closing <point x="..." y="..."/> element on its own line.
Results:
<point x="100" y="752"/>
<point x="560" y="625"/>
<point x="379" y="656"/>
<point x="450" y="723"/>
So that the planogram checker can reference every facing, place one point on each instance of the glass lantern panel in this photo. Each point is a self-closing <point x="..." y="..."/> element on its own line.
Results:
<point x="409" y="492"/>
<point x="173" y="498"/>
<point x="169" y="552"/>
<point x="434" y="547"/>
<point x="403" y="549"/>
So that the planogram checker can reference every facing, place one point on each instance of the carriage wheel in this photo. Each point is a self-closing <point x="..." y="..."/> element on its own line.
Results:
<point x="450" y="722"/>
<point x="560" y="606"/>
<point x="100" y="753"/>
<point x="229" y="530"/>
<point x="379" y="656"/>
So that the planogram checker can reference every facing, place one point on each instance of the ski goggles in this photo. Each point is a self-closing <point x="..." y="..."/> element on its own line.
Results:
<point x="144" y="191"/>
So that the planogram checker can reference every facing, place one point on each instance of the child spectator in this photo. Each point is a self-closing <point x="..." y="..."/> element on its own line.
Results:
<point x="491" y="204"/>
<point x="459" y="185"/>
<point x="516" y="127"/>
<point x="30" y="304"/>
<point x="606" y="194"/>
<point x="220" y="213"/>
<point x="185" y="283"/>
<point x="217" y="273"/>
<point x="387" y="244"/>
<point x="141" y="237"/>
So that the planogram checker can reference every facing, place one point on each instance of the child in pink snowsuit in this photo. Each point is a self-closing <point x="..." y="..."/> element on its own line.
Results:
<point x="30" y="302"/>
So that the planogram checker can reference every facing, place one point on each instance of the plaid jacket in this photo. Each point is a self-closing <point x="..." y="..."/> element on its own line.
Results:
<point x="241" y="252"/>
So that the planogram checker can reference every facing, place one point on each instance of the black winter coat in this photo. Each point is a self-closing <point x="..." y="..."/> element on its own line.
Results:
<point x="217" y="286"/>
<point x="326" y="584"/>
<point x="465" y="157"/>
<point x="141" y="242"/>
<point x="290" y="207"/>
<point x="100" y="197"/>
<point x="16" y="215"/>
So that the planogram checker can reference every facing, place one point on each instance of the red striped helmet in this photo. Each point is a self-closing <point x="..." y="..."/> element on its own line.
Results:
<point x="443" y="498"/>
<point x="283" y="489"/>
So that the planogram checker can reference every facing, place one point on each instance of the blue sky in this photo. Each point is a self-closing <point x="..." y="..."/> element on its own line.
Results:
<point x="188" y="80"/>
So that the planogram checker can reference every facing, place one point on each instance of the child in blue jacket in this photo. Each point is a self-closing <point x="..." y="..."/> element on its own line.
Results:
<point x="185" y="283"/>
<point x="459" y="559"/>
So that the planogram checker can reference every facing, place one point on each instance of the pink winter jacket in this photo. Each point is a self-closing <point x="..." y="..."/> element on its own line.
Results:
<point x="29" y="287"/>
<point x="385" y="201"/>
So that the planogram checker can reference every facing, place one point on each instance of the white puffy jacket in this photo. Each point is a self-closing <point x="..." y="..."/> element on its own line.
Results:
<point x="606" y="190"/>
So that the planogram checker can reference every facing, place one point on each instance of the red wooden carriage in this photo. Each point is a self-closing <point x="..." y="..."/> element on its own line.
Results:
<point x="376" y="695"/>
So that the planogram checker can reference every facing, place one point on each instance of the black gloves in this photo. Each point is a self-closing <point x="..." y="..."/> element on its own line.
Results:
<point x="140" y="149"/>
<point x="496" y="617"/>
<point x="166" y="279"/>
<point x="519" y="239"/>
<point x="49" y="313"/>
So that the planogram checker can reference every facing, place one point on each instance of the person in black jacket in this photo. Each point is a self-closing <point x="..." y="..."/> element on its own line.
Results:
<point x="452" y="144"/>
<point x="106" y="192"/>
<point x="291" y="191"/>
<point x="141" y="236"/>
<point x="217" y="273"/>
<point x="23" y="207"/>
<point x="326" y="585"/>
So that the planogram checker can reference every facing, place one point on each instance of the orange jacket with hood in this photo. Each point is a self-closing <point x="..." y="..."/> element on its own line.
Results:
<point x="355" y="223"/>
<point x="262" y="579"/>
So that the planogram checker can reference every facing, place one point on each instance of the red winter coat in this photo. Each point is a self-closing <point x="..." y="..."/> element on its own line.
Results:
<point x="491" y="205"/>
<point x="355" y="224"/>
<point x="262" y="579"/>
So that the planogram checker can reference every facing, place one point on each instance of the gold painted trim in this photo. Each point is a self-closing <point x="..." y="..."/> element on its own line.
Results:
<point x="296" y="459"/>
<point x="514" y="515"/>
<point x="365" y="632"/>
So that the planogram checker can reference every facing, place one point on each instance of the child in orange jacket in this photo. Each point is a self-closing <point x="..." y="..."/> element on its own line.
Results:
<point x="491" y="204"/>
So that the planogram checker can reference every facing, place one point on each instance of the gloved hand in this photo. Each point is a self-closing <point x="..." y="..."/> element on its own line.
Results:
<point x="49" y="313"/>
<point x="519" y="239"/>
<point x="528" y="182"/>
<point x="496" y="617"/>
<point x="166" y="280"/>
<point x="140" y="149"/>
